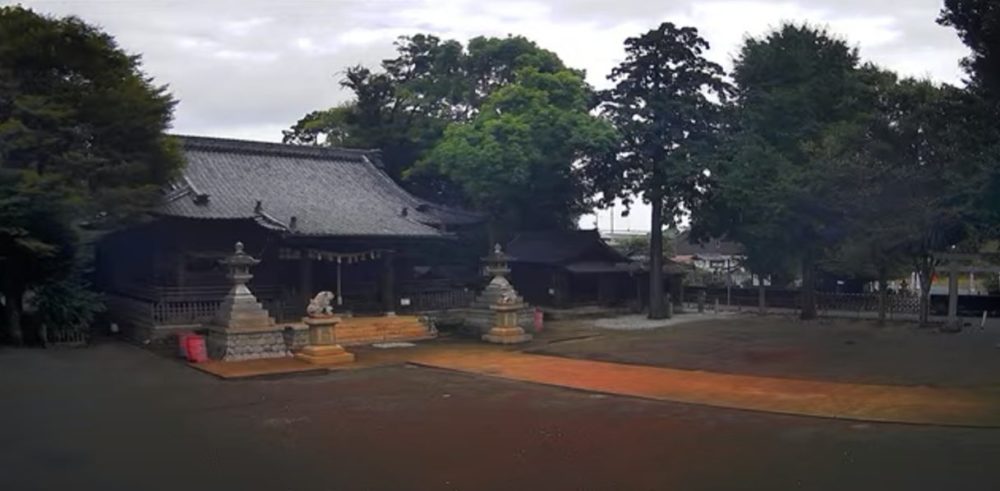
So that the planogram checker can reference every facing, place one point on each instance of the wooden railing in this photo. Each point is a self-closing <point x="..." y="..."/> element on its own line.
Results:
<point x="151" y="305"/>
<point x="438" y="300"/>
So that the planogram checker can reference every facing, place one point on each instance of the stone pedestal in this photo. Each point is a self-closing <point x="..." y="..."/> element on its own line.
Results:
<point x="322" y="350"/>
<point x="506" y="330"/>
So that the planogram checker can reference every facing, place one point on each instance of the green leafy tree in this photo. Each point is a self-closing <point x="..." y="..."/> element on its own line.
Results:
<point x="81" y="140"/>
<point x="518" y="158"/>
<point x="770" y="189"/>
<point x="664" y="105"/>
<point x="404" y="108"/>
<point x="37" y="244"/>
<point x="914" y="173"/>
<point x="66" y="304"/>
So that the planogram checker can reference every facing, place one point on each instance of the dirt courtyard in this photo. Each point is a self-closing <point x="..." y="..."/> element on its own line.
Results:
<point x="115" y="417"/>
<point x="782" y="346"/>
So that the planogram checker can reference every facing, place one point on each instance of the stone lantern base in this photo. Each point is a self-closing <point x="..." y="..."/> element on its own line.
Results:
<point x="325" y="355"/>
<point x="322" y="350"/>
<point x="507" y="335"/>
<point x="506" y="330"/>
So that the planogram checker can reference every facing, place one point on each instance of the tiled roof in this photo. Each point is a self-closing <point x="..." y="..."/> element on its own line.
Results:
<point x="302" y="190"/>
<point x="562" y="247"/>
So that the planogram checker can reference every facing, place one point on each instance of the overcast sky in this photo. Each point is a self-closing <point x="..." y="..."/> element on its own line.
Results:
<point x="250" y="68"/>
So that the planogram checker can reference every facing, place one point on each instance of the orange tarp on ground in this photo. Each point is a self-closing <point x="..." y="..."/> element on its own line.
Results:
<point x="882" y="403"/>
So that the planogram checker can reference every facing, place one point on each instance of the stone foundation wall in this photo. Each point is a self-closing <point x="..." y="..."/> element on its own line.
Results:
<point x="233" y="345"/>
<point x="354" y="331"/>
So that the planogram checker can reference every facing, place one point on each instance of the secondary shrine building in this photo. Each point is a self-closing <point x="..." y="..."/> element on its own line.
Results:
<point x="318" y="219"/>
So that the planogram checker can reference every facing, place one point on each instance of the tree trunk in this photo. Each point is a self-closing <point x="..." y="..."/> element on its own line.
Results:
<point x="883" y="294"/>
<point x="808" y="287"/>
<point x="656" y="307"/>
<point x="761" y="300"/>
<point x="13" y="307"/>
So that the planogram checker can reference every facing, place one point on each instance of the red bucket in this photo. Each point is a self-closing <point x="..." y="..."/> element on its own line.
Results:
<point x="182" y="342"/>
<point x="196" y="351"/>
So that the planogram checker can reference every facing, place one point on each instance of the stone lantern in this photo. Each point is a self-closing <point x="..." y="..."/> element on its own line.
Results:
<point x="241" y="328"/>
<point x="240" y="309"/>
<point x="505" y="303"/>
<point x="481" y="315"/>
<point x="496" y="268"/>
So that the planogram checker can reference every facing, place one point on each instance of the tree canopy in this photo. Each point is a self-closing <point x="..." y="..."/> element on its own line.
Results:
<point x="81" y="140"/>
<point x="771" y="190"/>
<point x="978" y="26"/>
<point x="911" y="177"/>
<point x="403" y="108"/>
<point x="518" y="159"/>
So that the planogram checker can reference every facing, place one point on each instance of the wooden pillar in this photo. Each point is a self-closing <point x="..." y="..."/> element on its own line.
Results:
<point x="638" y="292"/>
<point x="953" y="295"/>
<point x="180" y="269"/>
<point x="679" y="300"/>
<point x="305" y="277"/>
<point x="761" y="300"/>
<point x="560" y="288"/>
<point x="388" y="281"/>
<point x="605" y="289"/>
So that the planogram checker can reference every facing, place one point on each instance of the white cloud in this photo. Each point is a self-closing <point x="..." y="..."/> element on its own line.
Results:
<point x="245" y="26"/>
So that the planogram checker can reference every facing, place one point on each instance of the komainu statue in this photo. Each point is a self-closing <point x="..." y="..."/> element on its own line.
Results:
<point x="320" y="304"/>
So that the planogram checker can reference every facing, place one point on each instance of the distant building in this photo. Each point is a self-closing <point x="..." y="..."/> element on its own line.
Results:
<point x="567" y="268"/>
<point x="721" y="258"/>
<point x="577" y="267"/>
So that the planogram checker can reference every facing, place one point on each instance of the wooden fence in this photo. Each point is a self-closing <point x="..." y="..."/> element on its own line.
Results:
<point x="898" y="303"/>
<point x="747" y="298"/>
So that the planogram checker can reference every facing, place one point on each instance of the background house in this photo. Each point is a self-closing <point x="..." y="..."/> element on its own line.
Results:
<point x="720" y="260"/>
<point x="570" y="268"/>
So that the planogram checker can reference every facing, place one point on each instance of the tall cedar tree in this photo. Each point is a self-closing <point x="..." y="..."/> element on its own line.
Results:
<point x="665" y="105"/>
<point x="79" y="124"/>
<point x="978" y="25"/>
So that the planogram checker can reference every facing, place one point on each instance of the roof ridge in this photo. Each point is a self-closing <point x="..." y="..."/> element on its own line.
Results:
<point x="207" y="143"/>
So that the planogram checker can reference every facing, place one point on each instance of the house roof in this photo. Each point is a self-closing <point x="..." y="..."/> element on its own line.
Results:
<point x="591" y="267"/>
<point x="562" y="247"/>
<point x="685" y="246"/>
<point x="316" y="191"/>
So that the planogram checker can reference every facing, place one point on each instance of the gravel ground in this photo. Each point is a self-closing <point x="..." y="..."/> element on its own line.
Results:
<point x="638" y="322"/>
<point x="783" y="346"/>
<point x="114" y="417"/>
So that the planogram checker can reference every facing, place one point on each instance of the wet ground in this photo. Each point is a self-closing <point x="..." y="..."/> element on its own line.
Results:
<point x="116" y="417"/>
<point x="774" y="346"/>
